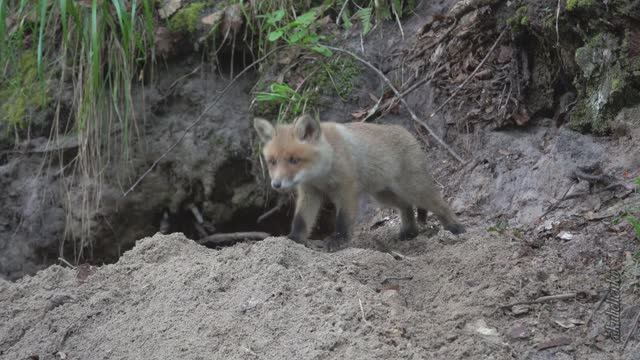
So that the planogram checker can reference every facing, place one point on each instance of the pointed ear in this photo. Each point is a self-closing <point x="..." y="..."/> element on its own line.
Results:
<point x="307" y="128"/>
<point x="264" y="129"/>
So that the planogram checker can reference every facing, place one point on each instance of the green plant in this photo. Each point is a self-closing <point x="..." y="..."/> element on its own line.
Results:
<point x="520" y="19"/>
<point x="297" y="32"/>
<point x="500" y="227"/>
<point x="366" y="12"/>
<point x="289" y="101"/>
<point x="635" y="224"/>
<point x="631" y="216"/>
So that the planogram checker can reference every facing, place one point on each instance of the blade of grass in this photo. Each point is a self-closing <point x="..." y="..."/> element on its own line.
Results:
<point x="42" y="8"/>
<point x="63" y="19"/>
<point x="95" y="49"/>
<point x="3" y="41"/>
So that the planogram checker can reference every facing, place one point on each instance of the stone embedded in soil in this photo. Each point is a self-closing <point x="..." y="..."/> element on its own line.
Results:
<point x="520" y="309"/>
<point x="559" y="341"/>
<point x="519" y="331"/>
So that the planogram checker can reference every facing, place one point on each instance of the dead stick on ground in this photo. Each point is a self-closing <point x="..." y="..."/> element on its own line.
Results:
<point x="64" y="261"/>
<point x="455" y="92"/>
<point x="555" y="205"/>
<point x="200" y="117"/>
<point x="543" y="299"/>
<point x="362" y="310"/>
<point x="633" y="329"/>
<point x="217" y="239"/>
<point x="557" y="32"/>
<point x="402" y="100"/>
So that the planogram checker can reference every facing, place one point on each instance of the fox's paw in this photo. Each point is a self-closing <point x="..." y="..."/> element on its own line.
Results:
<point x="335" y="243"/>
<point x="408" y="234"/>
<point x="456" y="228"/>
<point x="297" y="238"/>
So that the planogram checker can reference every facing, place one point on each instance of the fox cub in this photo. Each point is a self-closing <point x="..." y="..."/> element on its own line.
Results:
<point x="341" y="161"/>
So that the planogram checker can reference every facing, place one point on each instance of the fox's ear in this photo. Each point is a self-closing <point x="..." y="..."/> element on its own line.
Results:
<point x="307" y="128"/>
<point x="264" y="128"/>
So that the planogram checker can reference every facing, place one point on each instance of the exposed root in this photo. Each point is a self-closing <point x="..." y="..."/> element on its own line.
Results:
<point x="229" y="238"/>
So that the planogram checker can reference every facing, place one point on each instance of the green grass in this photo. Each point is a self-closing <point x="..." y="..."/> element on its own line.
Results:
<point x="100" y="48"/>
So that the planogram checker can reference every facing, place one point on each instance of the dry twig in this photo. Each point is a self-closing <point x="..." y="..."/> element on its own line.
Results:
<point x="64" y="261"/>
<point x="597" y="308"/>
<point x="543" y="299"/>
<point x="633" y="329"/>
<point x="362" y="311"/>
<point x="225" y="238"/>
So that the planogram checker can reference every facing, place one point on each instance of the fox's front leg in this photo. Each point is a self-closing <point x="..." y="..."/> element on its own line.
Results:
<point x="346" y="203"/>
<point x="308" y="205"/>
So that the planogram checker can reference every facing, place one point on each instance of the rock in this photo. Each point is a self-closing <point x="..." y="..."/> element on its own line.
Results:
<point x="559" y="341"/>
<point x="565" y="235"/>
<point x="520" y="309"/>
<point x="518" y="331"/>
<point x="480" y="327"/>
<point x="169" y="7"/>
<point x="213" y="18"/>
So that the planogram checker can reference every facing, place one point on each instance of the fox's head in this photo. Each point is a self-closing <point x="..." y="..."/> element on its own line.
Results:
<point x="295" y="154"/>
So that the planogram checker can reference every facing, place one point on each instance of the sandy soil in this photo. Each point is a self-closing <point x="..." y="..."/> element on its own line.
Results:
<point x="432" y="297"/>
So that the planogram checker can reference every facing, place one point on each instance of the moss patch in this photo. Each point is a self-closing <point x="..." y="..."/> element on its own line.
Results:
<point x="187" y="19"/>
<point x="520" y="19"/>
<point x="578" y="4"/>
<point x="606" y="84"/>
<point x="22" y="93"/>
<point x="337" y="77"/>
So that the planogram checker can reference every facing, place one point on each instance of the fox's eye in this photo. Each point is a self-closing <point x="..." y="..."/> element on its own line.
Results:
<point x="294" y="160"/>
<point x="272" y="161"/>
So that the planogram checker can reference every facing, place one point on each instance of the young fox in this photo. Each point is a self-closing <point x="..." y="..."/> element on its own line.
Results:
<point x="340" y="161"/>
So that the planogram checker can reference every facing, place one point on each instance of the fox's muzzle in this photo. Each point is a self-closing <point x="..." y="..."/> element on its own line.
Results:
<point x="281" y="184"/>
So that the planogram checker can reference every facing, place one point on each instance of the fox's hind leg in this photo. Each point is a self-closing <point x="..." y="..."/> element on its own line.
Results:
<point x="432" y="200"/>
<point x="409" y="228"/>
<point x="422" y="215"/>
<point x="421" y="191"/>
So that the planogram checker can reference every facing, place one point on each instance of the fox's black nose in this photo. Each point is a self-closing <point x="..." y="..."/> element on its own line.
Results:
<point x="276" y="184"/>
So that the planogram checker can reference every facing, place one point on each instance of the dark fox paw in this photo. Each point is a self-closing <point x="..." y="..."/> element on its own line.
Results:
<point x="408" y="234"/>
<point x="455" y="229"/>
<point x="297" y="238"/>
<point x="335" y="243"/>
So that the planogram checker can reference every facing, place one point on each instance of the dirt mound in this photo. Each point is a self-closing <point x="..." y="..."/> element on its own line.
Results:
<point x="427" y="298"/>
<point x="171" y="298"/>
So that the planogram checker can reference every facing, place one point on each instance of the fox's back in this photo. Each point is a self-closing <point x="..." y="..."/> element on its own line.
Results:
<point x="380" y="153"/>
